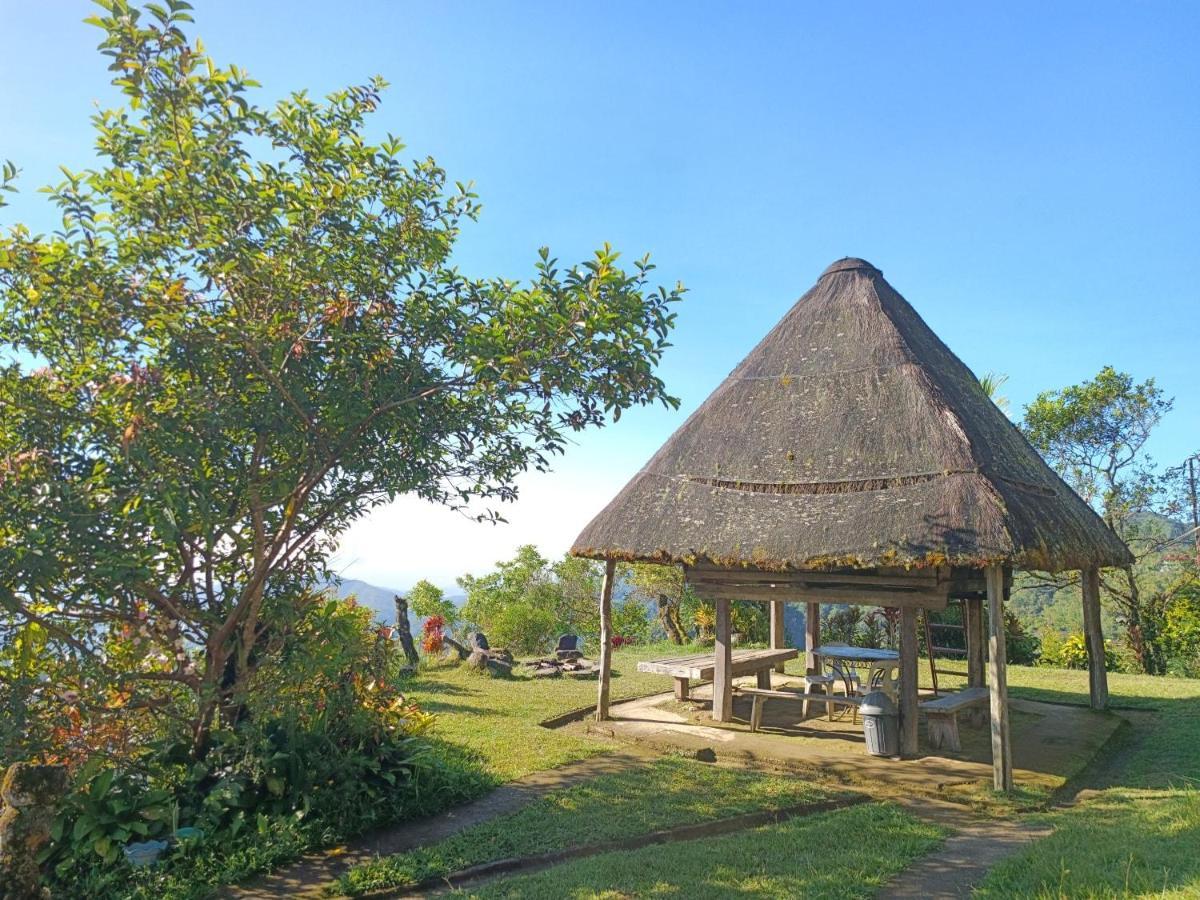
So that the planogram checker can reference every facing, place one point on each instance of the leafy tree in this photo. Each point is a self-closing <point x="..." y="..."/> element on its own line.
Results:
<point x="247" y="333"/>
<point x="1181" y="632"/>
<point x="664" y="587"/>
<point x="1095" y="435"/>
<point x="428" y="600"/>
<point x="516" y="605"/>
<point x="629" y="619"/>
<point x="527" y="601"/>
<point x="580" y="582"/>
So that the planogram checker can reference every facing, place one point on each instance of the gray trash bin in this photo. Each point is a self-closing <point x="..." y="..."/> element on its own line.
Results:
<point x="881" y="724"/>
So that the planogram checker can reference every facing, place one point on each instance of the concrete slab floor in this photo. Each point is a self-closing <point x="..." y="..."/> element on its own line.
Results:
<point x="1051" y="743"/>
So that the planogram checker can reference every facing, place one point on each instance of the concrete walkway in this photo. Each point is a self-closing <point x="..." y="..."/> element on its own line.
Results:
<point x="311" y="873"/>
<point x="974" y="846"/>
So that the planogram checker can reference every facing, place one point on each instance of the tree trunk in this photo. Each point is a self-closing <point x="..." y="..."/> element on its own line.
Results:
<point x="670" y="620"/>
<point x="462" y="651"/>
<point x="1142" y="632"/>
<point x="404" y="631"/>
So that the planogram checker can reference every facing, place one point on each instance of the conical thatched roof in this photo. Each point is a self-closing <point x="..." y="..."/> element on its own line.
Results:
<point x="850" y="437"/>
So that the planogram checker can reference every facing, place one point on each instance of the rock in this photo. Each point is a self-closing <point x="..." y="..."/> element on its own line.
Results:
<point x="546" y="672"/>
<point x="499" y="667"/>
<point x="31" y="794"/>
<point x="487" y="661"/>
<point x="28" y="784"/>
<point x="567" y="643"/>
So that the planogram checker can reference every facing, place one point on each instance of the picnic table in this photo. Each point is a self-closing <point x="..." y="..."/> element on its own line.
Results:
<point x="880" y="664"/>
<point x="701" y="666"/>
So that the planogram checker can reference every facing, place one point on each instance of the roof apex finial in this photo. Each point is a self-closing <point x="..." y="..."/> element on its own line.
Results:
<point x="851" y="264"/>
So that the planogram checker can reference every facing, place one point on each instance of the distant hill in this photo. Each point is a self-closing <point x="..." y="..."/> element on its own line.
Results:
<point x="380" y="598"/>
<point x="1152" y="524"/>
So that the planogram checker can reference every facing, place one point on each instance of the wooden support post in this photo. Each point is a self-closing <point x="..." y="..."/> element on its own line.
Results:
<point x="606" y="591"/>
<point x="778" y="632"/>
<point x="908" y="681"/>
<point x="1097" y="675"/>
<point x="722" y="709"/>
<point x="1002" y="777"/>
<point x="975" y="630"/>
<point x="812" y="638"/>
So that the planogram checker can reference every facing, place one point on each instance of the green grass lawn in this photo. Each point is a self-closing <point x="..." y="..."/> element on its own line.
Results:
<point x="662" y="794"/>
<point x="1120" y="844"/>
<point x="498" y="717"/>
<point x="843" y="854"/>
<point x="1140" y="834"/>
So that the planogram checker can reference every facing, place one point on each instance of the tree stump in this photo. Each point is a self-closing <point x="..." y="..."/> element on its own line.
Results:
<point x="454" y="645"/>
<point x="404" y="630"/>
<point x="31" y="794"/>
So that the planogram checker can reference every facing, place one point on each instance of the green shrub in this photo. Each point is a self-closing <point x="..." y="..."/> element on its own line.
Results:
<point x="1021" y="648"/>
<point x="629" y="620"/>
<point x="106" y="810"/>
<point x="327" y="747"/>
<point x="1070" y="652"/>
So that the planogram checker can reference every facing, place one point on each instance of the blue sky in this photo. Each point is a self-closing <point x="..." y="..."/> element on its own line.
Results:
<point x="1027" y="175"/>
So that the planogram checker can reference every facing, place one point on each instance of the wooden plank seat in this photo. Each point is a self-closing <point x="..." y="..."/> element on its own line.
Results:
<point x="760" y="696"/>
<point x="941" y="715"/>
<point x="702" y="666"/>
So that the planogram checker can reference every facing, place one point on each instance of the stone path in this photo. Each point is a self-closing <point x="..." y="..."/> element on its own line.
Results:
<point x="311" y="873"/>
<point x="964" y="859"/>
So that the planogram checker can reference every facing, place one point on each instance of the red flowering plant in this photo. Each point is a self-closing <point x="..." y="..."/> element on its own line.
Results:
<point x="433" y="635"/>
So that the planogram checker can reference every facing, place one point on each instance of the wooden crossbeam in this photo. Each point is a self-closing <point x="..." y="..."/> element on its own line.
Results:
<point x="934" y="598"/>
<point x="917" y="579"/>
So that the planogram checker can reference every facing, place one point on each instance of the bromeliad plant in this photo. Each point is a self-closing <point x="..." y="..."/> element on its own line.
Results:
<point x="246" y="334"/>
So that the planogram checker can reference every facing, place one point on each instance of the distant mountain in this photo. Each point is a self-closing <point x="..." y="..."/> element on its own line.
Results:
<point x="377" y="598"/>
<point x="380" y="599"/>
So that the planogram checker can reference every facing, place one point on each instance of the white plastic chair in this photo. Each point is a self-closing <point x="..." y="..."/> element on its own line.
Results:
<point x="826" y="683"/>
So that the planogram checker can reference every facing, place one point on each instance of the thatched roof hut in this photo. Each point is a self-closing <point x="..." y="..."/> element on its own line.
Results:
<point x="851" y="436"/>
<point x="852" y="457"/>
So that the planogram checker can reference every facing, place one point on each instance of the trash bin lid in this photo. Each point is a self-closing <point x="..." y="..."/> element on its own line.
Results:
<point x="877" y="703"/>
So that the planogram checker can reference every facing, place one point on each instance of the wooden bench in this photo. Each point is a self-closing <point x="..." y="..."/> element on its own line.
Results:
<point x="702" y="666"/>
<point x="760" y="696"/>
<point x="942" y="716"/>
